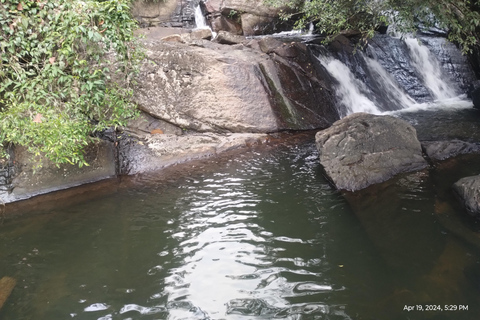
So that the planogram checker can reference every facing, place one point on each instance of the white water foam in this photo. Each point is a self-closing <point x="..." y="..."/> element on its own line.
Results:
<point x="352" y="92"/>
<point x="456" y="103"/>
<point x="349" y="89"/>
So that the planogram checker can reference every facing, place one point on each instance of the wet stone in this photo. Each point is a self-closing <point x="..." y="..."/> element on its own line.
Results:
<point x="364" y="149"/>
<point x="467" y="191"/>
<point x="441" y="150"/>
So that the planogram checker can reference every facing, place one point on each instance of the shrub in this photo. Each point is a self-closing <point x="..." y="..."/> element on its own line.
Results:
<point x="65" y="70"/>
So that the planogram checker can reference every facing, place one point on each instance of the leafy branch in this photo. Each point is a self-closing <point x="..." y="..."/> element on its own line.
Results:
<point x="65" y="70"/>
<point x="331" y="17"/>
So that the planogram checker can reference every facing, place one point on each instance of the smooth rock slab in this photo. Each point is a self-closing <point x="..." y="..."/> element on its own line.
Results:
<point x="162" y="150"/>
<point x="363" y="149"/>
<point x="468" y="191"/>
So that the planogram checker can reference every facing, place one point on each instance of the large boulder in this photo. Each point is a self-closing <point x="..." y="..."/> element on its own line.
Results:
<point x="468" y="192"/>
<point x="166" y="13"/>
<point x="258" y="7"/>
<point x="244" y="17"/>
<point x="364" y="149"/>
<point x="208" y="87"/>
<point x="224" y="37"/>
<point x="220" y="23"/>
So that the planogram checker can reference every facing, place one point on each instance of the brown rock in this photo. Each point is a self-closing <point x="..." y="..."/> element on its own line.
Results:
<point x="156" y="131"/>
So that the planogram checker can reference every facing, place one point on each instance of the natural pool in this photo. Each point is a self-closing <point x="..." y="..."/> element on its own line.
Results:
<point x="258" y="236"/>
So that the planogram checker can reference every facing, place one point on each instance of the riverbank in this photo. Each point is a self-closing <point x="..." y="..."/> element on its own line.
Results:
<point x="166" y="175"/>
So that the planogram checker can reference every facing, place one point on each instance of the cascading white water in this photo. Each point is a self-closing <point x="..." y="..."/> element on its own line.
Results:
<point x="200" y="21"/>
<point x="389" y="85"/>
<point x="430" y="70"/>
<point x="349" y="89"/>
<point x="384" y="93"/>
<point x="311" y="27"/>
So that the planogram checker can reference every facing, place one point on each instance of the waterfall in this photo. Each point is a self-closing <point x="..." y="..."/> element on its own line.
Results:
<point x="350" y="91"/>
<point x="430" y="70"/>
<point x="311" y="27"/>
<point x="392" y="75"/>
<point x="390" y="87"/>
<point x="200" y="21"/>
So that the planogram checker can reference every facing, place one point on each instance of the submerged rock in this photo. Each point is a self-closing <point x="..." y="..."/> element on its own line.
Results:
<point x="441" y="150"/>
<point x="158" y="151"/>
<point x="364" y="149"/>
<point x="468" y="192"/>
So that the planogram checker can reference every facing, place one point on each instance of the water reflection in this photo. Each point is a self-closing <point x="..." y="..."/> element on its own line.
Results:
<point x="230" y="259"/>
<point x="261" y="237"/>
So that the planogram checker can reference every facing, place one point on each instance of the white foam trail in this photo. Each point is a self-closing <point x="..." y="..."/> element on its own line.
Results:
<point x="430" y="70"/>
<point x="455" y="103"/>
<point x="349" y="90"/>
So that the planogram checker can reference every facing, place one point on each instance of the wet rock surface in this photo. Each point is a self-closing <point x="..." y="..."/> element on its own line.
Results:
<point x="468" y="192"/>
<point x="445" y="124"/>
<point x="364" y="149"/>
<point x="30" y="180"/>
<point x="441" y="150"/>
<point x="7" y="172"/>
<point x="453" y="62"/>
<point x="162" y="150"/>
<point x="474" y="93"/>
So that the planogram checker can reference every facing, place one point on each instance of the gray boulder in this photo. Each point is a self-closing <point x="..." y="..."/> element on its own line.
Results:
<point x="441" y="150"/>
<point x="244" y="17"/>
<point x="224" y="37"/>
<point x="364" y="149"/>
<point x="208" y="87"/>
<point x="468" y="192"/>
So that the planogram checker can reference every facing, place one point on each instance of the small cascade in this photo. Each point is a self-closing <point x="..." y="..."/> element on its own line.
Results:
<point x="350" y="91"/>
<point x="311" y="27"/>
<point x="200" y="21"/>
<point x="393" y="74"/>
<point x="391" y="89"/>
<point x="430" y="71"/>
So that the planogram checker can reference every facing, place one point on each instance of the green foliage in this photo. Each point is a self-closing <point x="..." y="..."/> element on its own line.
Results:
<point x="333" y="16"/>
<point x="65" y="70"/>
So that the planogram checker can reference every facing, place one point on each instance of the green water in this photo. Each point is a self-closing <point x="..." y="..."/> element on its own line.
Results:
<point x="259" y="236"/>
